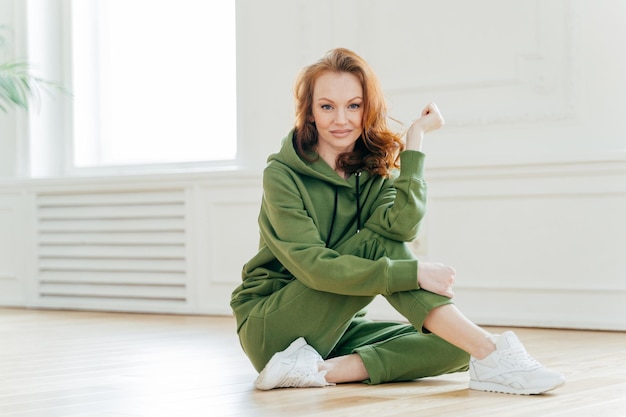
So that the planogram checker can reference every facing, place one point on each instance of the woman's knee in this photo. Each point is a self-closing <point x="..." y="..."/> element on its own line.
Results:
<point x="277" y="321"/>
<point x="416" y="305"/>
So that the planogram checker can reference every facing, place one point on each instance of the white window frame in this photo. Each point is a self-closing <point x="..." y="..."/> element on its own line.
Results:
<point x="49" y="150"/>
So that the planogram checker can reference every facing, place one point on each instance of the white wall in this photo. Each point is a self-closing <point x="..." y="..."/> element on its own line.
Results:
<point x="516" y="80"/>
<point x="527" y="181"/>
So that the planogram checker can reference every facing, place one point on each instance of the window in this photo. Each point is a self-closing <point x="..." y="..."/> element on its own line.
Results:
<point x="153" y="82"/>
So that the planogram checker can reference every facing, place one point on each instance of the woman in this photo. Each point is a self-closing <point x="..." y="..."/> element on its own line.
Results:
<point x="335" y="216"/>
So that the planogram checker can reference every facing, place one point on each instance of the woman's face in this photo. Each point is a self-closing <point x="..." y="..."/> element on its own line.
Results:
<point x="337" y="112"/>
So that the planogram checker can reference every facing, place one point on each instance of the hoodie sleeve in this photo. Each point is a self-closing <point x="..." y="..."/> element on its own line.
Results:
<point x="398" y="210"/>
<point x="292" y="236"/>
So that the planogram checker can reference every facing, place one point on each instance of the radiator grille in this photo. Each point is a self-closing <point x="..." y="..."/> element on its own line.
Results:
<point x="112" y="247"/>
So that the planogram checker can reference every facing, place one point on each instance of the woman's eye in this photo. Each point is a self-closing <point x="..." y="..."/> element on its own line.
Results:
<point x="326" y="107"/>
<point x="355" y="106"/>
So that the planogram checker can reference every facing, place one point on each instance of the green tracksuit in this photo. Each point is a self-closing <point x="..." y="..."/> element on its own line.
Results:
<point x="328" y="246"/>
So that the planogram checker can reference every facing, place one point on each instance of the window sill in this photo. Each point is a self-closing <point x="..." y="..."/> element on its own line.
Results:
<point x="223" y="174"/>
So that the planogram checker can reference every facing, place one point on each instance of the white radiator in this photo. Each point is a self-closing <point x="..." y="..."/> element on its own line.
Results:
<point x="112" y="249"/>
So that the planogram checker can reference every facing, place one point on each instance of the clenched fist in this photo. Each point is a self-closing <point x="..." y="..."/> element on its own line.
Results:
<point x="436" y="278"/>
<point x="431" y="119"/>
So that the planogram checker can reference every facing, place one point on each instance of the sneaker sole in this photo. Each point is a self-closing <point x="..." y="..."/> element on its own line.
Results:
<point x="491" y="387"/>
<point x="267" y="379"/>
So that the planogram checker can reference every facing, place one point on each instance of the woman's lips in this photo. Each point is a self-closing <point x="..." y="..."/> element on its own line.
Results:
<point x="341" y="133"/>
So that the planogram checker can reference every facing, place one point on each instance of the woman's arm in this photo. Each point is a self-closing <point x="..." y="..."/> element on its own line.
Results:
<point x="401" y="204"/>
<point x="399" y="209"/>
<point x="294" y="239"/>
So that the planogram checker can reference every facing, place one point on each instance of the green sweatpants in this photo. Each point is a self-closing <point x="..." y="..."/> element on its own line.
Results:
<point x="333" y="325"/>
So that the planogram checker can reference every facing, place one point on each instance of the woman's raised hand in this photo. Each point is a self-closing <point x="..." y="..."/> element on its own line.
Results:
<point x="431" y="119"/>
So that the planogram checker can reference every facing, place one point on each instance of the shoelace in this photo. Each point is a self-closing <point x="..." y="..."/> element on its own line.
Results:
<point x="520" y="358"/>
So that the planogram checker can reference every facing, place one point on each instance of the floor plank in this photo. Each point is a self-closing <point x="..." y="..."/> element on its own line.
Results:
<point x="96" y="364"/>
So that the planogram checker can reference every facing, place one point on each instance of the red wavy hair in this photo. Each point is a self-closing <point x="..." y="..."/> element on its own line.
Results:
<point x="377" y="149"/>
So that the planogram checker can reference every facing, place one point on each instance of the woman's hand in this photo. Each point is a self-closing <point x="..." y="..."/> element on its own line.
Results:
<point x="436" y="278"/>
<point x="431" y="119"/>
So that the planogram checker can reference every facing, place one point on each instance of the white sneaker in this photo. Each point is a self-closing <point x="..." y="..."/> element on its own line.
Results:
<point x="295" y="367"/>
<point x="511" y="370"/>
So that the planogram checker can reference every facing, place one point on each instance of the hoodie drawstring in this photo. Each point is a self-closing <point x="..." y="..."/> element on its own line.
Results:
<point x="358" y="209"/>
<point x="332" y="221"/>
<point x="358" y="202"/>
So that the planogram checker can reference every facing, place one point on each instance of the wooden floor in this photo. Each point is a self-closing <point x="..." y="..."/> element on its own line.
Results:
<point x="88" y="364"/>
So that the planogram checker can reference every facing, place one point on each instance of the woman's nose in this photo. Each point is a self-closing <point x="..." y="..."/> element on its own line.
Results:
<point x="341" y="117"/>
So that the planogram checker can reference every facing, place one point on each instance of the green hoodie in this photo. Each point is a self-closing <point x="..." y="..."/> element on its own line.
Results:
<point x="309" y="220"/>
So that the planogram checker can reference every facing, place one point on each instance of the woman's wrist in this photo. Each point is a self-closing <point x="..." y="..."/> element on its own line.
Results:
<point x="414" y="137"/>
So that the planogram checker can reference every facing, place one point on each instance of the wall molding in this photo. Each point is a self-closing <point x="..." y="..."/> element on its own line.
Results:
<point x="544" y="80"/>
<point x="556" y="308"/>
<point x="7" y="276"/>
<point x="221" y="234"/>
<point x="221" y="211"/>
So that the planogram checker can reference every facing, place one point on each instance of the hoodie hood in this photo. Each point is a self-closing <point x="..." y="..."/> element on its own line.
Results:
<point x="316" y="168"/>
<point x="320" y="170"/>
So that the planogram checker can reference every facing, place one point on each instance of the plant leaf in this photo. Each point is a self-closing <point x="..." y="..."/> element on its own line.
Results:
<point x="18" y="87"/>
